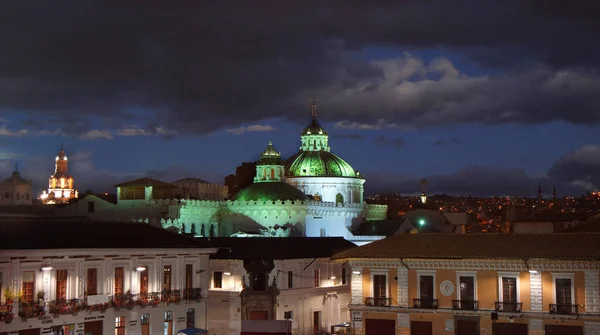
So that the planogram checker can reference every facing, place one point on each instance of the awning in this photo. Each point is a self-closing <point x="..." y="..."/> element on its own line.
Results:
<point x="191" y="331"/>
<point x="343" y="325"/>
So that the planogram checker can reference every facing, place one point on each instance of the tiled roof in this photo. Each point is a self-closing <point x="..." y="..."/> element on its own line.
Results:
<point x="145" y="182"/>
<point x="481" y="246"/>
<point x="191" y="181"/>
<point x="277" y="247"/>
<point x="58" y="234"/>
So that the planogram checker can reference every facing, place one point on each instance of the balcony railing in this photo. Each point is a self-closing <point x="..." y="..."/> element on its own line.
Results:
<point x="65" y="306"/>
<point x="171" y="296"/>
<point x="30" y="309"/>
<point x="465" y="305"/>
<point x="192" y="294"/>
<point x="425" y="303"/>
<point x="378" y="302"/>
<point x="124" y="300"/>
<point x="149" y="299"/>
<point x="509" y="307"/>
<point x="563" y="309"/>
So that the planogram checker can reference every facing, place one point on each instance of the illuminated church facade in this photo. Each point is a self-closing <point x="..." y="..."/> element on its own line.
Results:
<point x="60" y="184"/>
<point x="314" y="193"/>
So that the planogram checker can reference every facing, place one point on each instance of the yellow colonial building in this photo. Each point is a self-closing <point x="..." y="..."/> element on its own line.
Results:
<point x="476" y="284"/>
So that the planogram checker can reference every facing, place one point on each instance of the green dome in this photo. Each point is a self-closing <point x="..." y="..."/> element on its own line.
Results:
<point x="318" y="164"/>
<point x="270" y="192"/>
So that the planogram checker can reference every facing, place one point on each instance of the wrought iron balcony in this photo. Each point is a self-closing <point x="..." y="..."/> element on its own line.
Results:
<point x="30" y="309"/>
<point x="509" y="307"/>
<point x="126" y="300"/>
<point x="564" y="309"/>
<point x="192" y="294"/>
<point x="378" y="302"/>
<point x="149" y="299"/>
<point x="171" y="296"/>
<point x="465" y="305"/>
<point x="425" y="303"/>
<point x="65" y="306"/>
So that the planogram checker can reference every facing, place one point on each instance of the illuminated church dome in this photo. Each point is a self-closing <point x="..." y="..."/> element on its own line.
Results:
<point x="314" y="158"/>
<point x="268" y="182"/>
<point x="319" y="164"/>
<point x="318" y="172"/>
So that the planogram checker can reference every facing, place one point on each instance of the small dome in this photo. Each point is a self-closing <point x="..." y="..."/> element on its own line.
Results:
<point x="270" y="192"/>
<point x="314" y="129"/>
<point x="16" y="179"/>
<point x="319" y="164"/>
<point x="270" y="156"/>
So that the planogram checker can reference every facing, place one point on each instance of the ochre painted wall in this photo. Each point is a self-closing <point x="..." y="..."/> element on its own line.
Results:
<point x="487" y="288"/>
<point x="440" y="277"/>
<point x="366" y="283"/>
<point x="525" y="294"/>
<point x="393" y="285"/>
<point x="580" y="290"/>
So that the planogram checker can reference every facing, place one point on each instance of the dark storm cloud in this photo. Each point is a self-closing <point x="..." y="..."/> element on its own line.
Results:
<point x="197" y="67"/>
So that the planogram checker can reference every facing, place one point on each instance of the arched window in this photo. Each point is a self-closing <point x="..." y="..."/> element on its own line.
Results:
<point x="193" y="229"/>
<point x="339" y="199"/>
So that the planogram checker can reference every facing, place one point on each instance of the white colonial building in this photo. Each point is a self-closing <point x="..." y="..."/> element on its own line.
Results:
<point x="15" y="190"/>
<point x="278" y="279"/>
<point x="100" y="278"/>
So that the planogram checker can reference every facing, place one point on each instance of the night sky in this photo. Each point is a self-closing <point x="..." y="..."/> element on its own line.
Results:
<point x="479" y="97"/>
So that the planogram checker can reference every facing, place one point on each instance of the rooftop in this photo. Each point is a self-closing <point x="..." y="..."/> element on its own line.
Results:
<point x="145" y="182"/>
<point x="277" y="247"/>
<point x="481" y="246"/>
<point x="63" y="234"/>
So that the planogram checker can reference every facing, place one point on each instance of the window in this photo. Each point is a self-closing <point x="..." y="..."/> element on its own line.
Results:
<point x="91" y="205"/>
<point x="168" y="323"/>
<point x="167" y="278"/>
<point x="344" y="276"/>
<point x="379" y="285"/>
<point x="466" y="290"/>
<point x="317" y="278"/>
<point x="92" y="283"/>
<point x="120" y="325"/>
<point x="190" y="318"/>
<point x="258" y="281"/>
<point x="509" y="289"/>
<point x="119" y="280"/>
<point x="145" y="321"/>
<point x="563" y="289"/>
<point x="144" y="281"/>
<point x="189" y="279"/>
<point x="290" y="279"/>
<point x="61" y="284"/>
<point x="28" y="285"/>
<point x="217" y="279"/>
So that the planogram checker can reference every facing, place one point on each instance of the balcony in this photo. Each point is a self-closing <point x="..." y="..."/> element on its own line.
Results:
<point x="192" y="294"/>
<point x="126" y="300"/>
<point x="465" y="305"/>
<point x="425" y="303"/>
<point x="509" y="307"/>
<point x="148" y="299"/>
<point x="171" y="296"/>
<point x="564" y="309"/>
<point x="30" y="310"/>
<point x="65" y="306"/>
<point x="378" y="302"/>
